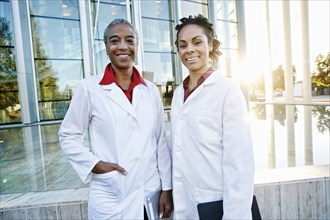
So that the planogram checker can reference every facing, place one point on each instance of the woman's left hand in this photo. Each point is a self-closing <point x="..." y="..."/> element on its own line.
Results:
<point x="165" y="204"/>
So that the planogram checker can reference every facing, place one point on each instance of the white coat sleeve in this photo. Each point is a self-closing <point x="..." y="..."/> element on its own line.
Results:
<point x="163" y="152"/>
<point x="238" y="161"/>
<point x="71" y="133"/>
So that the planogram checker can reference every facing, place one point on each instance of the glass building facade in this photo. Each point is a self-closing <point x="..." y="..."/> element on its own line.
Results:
<point x="48" y="46"/>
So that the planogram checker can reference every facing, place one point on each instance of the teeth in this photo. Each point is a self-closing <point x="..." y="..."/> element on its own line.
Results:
<point x="191" y="58"/>
<point x="123" y="55"/>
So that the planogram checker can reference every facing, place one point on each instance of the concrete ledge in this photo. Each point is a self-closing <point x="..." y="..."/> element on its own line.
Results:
<point x="61" y="204"/>
<point x="288" y="193"/>
<point x="294" y="193"/>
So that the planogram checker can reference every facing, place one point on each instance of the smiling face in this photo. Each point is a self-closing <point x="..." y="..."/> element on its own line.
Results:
<point x="194" y="49"/>
<point x="121" y="46"/>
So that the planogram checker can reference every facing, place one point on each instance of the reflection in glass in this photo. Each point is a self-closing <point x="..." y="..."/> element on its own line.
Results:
<point x="161" y="65"/>
<point x="229" y="62"/>
<point x="10" y="109"/>
<point x="54" y="38"/>
<point x="193" y="8"/>
<point x="56" y="80"/>
<point x="58" y="60"/>
<point x="32" y="161"/>
<point x="308" y="134"/>
<point x="155" y="9"/>
<point x="101" y="57"/>
<point x="156" y="35"/>
<point x="159" y="51"/>
<point x="226" y="10"/>
<point x="322" y="113"/>
<point x="298" y="142"/>
<point x="104" y="12"/>
<point x="259" y="110"/>
<point x="59" y="9"/>
<point x="290" y="132"/>
<point x="227" y="34"/>
<point x="6" y="18"/>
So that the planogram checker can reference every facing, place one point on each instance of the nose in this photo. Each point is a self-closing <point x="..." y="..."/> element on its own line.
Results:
<point x="190" y="48"/>
<point x="122" y="45"/>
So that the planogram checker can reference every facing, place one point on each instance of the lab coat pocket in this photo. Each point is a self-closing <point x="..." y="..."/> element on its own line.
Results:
<point x="204" y="126"/>
<point x="206" y="195"/>
<point x="107" y="185"/>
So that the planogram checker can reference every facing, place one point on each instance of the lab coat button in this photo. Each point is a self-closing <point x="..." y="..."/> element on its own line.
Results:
<point x="138" y="160"/>
<point x="178" y="148"/>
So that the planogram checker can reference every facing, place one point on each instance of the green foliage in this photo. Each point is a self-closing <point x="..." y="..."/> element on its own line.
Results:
<point x="321" y="76"/>
<point x="8" y="77"/>
<point x="322" y="113"/>
<point x="279" y="78"/>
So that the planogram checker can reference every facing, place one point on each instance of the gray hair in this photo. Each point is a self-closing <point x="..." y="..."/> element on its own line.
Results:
<point x="114" y="23"/>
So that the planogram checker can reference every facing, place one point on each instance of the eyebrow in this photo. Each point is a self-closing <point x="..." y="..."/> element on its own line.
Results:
<point x="116" y="36"/>
<point x="194" y="38"/>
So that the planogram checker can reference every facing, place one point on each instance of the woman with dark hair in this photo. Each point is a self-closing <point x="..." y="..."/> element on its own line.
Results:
<point x="212" y="150"/>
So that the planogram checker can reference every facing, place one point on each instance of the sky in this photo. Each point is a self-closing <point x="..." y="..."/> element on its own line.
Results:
<point x="319" y="25"/>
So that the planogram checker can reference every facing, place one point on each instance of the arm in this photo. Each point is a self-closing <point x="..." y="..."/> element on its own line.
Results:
<point x="73" y="127"/>
<point x="164" y="160"/>
<point x="238" y="161"/>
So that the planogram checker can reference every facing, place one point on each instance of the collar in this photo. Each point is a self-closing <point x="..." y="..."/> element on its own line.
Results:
<point x="200" y="80"/>
<point x="109" y="77"/>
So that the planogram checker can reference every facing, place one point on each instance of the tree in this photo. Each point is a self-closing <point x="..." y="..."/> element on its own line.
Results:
<point x="8" y="77"/>
<point x="279" y="78"/>
<point x="321" y="76"/>
<point x="323" y="117"/>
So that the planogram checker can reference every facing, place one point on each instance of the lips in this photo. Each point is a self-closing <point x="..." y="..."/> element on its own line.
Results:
<point x="123" y="55"/>
<point x="191" y="59"/>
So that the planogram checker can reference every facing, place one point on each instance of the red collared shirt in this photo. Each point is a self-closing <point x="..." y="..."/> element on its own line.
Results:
<point x="199" y="82"/>
<point x="109" y="77"/>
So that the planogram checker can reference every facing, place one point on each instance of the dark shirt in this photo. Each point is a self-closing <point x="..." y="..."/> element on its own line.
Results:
<point x="199" y="82"/>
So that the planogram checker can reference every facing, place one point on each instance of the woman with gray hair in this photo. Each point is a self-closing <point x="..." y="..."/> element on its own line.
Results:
<point x="129" y="158"/>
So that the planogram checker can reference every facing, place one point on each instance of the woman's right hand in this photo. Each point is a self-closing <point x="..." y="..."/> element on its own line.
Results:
<point x="105" y="167"/>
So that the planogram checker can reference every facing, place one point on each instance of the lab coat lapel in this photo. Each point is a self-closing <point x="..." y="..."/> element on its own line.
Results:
<point x="194" y="94"/>
<point x="211" y="79"/>
<point x="137" y="95"/>
<point x="117" y="95"/>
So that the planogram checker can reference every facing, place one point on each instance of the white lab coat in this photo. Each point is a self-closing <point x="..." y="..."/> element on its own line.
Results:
<point x="131" y="135"/>
<point x="211" y="149"/>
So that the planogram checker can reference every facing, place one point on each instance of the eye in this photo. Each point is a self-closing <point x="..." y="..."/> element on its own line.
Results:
<point x="130" y="41"/>
<point x="114" y="41"/>
<point x="181" y="46"/>
<point x="198" y="42"/>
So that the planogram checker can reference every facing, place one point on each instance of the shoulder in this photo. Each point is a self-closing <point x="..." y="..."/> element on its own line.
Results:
<point x="151" y="87"/>
<point x="222" y="81"/>
<point x="91" y="80"/>
<point x="89" y="83"/>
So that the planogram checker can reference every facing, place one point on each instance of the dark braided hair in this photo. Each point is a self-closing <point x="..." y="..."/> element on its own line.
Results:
<point x="202" y="21"/>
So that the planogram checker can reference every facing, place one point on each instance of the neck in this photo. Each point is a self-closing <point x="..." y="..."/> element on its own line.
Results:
<point x="195" y="75"/>
<point x="124" y="77"/>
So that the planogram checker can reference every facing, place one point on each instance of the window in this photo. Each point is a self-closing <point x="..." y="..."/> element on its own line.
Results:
<point x="194" y="7"/>
<point x="57" y="54"/>
<point x="227" y="34"/>
<point x="104" y="12"/>
<point x="158" y="47"/>
<point x="10" y="109"/>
